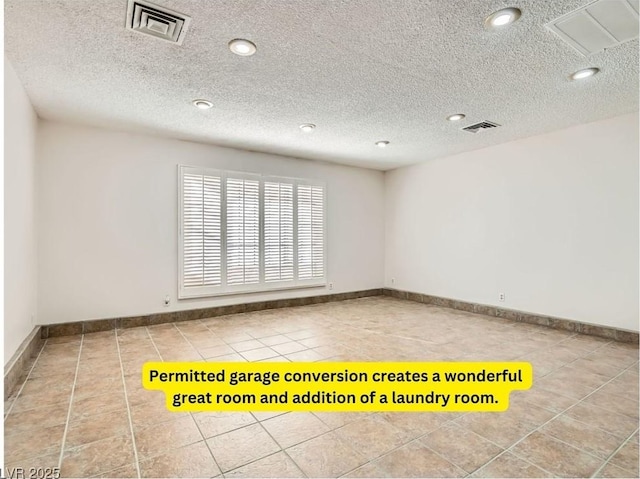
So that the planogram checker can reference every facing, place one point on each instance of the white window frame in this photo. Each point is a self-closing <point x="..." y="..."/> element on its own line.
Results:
<point x="261" y="286"/>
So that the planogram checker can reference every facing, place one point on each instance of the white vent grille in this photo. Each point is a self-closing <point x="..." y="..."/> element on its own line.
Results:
<point x="599" y="25"/>
<point x="483" y="125"/>
<point x="157" y="21"/>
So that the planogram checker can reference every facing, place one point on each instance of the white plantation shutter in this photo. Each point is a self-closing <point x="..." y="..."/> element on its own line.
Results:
<point x="243" y="231"/>
<point x="202" y="265"/>
<point x="310" y="232"/>
<point x="278" y="231"/>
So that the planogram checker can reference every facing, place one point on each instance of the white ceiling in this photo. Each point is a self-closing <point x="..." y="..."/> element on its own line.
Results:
<point x="361" y="70"/>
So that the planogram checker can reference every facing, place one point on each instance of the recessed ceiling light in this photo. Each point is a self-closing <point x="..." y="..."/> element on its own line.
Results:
<point x="502" y="18"/>
<point x="242" y="47"/>
<point x="202" y="104"/>
<point x="307" y="127"/>
<point x="382" y="144"/>
<point x="456" y="117"/>
<point x="585" y="73"/>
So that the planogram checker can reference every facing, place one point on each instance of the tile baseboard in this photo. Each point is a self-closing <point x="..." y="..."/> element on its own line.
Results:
<point x="96" y="325"/>
<point x="515" y="315"/>
<point x="16" y="369"/>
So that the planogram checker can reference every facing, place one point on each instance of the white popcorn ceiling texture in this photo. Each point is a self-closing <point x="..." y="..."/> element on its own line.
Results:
<point x="361" y="70"/>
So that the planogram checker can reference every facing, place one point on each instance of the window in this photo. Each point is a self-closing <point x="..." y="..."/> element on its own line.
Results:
<point x="242" y="232"/>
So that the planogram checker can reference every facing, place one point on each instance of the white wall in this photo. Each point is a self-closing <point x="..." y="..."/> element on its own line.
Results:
<point x="108" y="221"/>
<point x="551" y="221"/>
<point x="20" y="252"/>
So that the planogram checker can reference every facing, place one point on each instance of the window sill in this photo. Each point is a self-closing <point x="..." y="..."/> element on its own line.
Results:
<point x="187" y="295"/>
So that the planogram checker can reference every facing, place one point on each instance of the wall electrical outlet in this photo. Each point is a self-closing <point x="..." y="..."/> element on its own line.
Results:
<point x="501" y="296"/>
<point x="330" y="285"/>
<point x="167" y="300"/>
<point x="393" y="281"/>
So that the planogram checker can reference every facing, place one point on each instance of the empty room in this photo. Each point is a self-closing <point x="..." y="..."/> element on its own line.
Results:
<point x="356" y="238"/>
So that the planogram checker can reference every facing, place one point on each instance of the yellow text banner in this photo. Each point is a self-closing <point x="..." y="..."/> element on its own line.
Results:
<point x="337" y="386"/>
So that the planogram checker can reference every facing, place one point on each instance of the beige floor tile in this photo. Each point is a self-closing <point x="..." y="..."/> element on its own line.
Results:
<point x="194" y="460"/>
<point x="98" y="388"/>
<point x="308" y="355"/>
<point x="609" y="470"/>
<point x="55" y="383"/>
<point x="215" y="423"/>
<point x="615" y="403"/>
<point x="275" y="466"/>
<point x="242" y="446"/>
<point x="216" y="350"/>
<point x="90" y="375"/>
<point x="246" y="345"/>
<point x="128" y="471"/>
<point x="567" y="368"/>
<point x="259" y="354"/>
<point x="40" y="400"/>
<point x="234" y="337"/>
<point x="56" y="368"/>
<point x="508" y="465"/>
<point x="417" y="460"/>
<point x="416" y="424"/>
<point x="288" y="348"/>
<point x="37" y="418"/>
<point x="96" y="427"/>
<point x="612" y="422"/>
<point x="276" y="339"/>
<point x="543" y="398"/>
<point x="98" y="457"/>
<point x="139" y="395"/>
<point x="460" y="446"/>
<point x="112" y="401"/>
<point x="583" y="436"/>
<point x="623" y="386"/>
<point x="294" y="427"/>
<point x="338" y="419"/>
<point x="148" y="414"/>
<point x="26" y="444"/>
<point x="627" y="458"/>
<point x="227" y="358"/>
<point x="368" y="470"/>
<point x="569" y="384"/>
<point x="372" y="436"/>
<point x="264" y="415"/>
<point x="325" y="456"/>
<point x="555" y="456"/>
<point x="497" y="427"/>
<point x="154" y="440"/>
<point x="302" y="334"/>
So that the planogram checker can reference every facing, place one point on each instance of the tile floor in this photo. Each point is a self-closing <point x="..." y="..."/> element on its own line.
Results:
<point x="83" y="407"/>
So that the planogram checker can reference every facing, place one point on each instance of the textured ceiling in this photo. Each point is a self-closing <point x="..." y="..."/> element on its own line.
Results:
<point x="361" y="70"/>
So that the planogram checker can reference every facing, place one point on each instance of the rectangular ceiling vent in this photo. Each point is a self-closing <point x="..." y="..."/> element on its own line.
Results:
<point x="159" y="22"/>
<point x="597" y="26"/>
<point x="483" y="125"/>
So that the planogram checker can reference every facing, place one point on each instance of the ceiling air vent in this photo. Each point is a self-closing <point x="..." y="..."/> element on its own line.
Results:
<point x="157" y="21"/>
<point x="483" y="125"/>
<point x="599" y="25"/>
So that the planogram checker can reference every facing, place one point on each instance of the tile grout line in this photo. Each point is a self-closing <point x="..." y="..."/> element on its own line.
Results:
<point x="608" y="459"/>
<point x="26" y="379"/>
<point x="126" y="400"/>
<point x="259" y="422"/>
<point x="561" y="412"/>
<point x="73" y="389"/>
<point x="550" y="372"/>
<point x="190" y="413"/>
<point x="503" y="449"/>
<point x="509" y="449"/>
